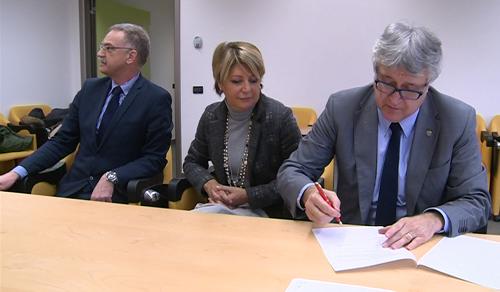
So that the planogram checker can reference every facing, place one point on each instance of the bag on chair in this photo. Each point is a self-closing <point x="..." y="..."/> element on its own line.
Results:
<point x="12" y="142"/>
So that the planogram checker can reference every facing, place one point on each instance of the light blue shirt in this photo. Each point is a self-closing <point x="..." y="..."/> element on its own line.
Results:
<point x="384" y="134"/>
<point x="22" y="172"/>
<point x="125" y="89"/>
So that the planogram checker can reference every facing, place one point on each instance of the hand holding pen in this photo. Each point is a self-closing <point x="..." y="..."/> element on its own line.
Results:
<point x="323" y="195"/>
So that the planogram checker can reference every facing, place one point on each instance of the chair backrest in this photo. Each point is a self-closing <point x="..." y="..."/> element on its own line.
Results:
<point x="495" y="124"/>
<point x="328" y="175"/>
<point x="68" y="160"/>
<point x="168" y="170"/>
<point x="495" y="183"/>
<point x="18" y="111"/>
<point x="3" y="120"/>
<point x="305" y="116"/>
<point x="9" y="160"/>
<point x="485" y="150"/>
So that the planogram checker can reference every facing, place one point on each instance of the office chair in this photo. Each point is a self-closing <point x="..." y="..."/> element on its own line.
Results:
<point x="494" y="143"/>
<point x="327" y="178"/>
<point x="45" y="182"/>
<point x="10" y="159"/>
<point x="176" y="193"/>
<point x="142" y="192"/>
<point x="481" y="131"/>
<point x="305" y="117"/>
<point x="179" y="194"/>
<point x="17" y="112"/>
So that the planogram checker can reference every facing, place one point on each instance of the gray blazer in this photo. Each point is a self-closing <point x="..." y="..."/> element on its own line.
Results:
<point x="444" y="167"/>
<point x="275" y="135"/>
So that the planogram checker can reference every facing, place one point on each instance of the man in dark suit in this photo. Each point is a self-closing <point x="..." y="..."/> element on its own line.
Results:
<point x="122" y="124"/>
<point x="425" y="180"/>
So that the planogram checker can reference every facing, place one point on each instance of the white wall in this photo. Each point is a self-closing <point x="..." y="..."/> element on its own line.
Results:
<point x="162" y="39"/>
<point x="40" y="49"/>
<point x="311" y="48"/>
<point x="39" y="52"/>
<point x="314" y="48"/>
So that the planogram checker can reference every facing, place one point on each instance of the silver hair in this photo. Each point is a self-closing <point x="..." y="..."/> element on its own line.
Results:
<point x="137" y="37"/>
<point x="416" y="49"/>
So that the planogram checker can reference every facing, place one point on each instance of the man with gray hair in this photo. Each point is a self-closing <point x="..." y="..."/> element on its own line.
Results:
<point x="406" y="155"/>
<point x="122" y="124"/>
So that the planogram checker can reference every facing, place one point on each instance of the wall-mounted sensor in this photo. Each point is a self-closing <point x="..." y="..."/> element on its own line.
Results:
<point x="197" y="42"/>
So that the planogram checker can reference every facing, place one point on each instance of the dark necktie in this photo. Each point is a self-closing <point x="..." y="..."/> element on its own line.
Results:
<point x="109" y="113"/>
<point x="388" y="193"/>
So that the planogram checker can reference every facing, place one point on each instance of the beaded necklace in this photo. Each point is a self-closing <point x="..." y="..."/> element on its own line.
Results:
<point x="240" y="180"/>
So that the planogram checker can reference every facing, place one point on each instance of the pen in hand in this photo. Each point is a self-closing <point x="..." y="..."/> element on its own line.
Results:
<point x="320" y="191"/>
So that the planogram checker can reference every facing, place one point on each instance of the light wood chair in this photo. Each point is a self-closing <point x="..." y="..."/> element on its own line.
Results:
<point x="137" y="188"/>
<point x="18" y="111"/>
<point x="9" y="160"/>
<point x="306" y="117"/>
<point x="481" y="130"/>
<point x="328" y="176"/>
<point x="495" y="168"/>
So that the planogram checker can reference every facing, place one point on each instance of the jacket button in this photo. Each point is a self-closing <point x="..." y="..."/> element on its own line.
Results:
<point x="91" y="178"/>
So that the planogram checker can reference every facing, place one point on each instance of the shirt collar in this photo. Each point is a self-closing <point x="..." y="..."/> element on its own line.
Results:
<point x="406" y="124"/>
<point x="127" y="85"/>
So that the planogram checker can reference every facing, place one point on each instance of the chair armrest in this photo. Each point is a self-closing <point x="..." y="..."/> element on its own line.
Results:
<point x="492" y="138"/>
<point x="135" y="188"/>
<point x="178" y="194"/>
<point x="51" y="175"/>
<point x="176" y="187"/>
<point x="183" y="196"/>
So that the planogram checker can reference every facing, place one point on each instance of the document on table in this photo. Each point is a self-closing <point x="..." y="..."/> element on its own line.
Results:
<point x="464" y="257"/>
<point x="357" y="247"/>
<point x="304" y="285"/>
<point x="468" y="258"/>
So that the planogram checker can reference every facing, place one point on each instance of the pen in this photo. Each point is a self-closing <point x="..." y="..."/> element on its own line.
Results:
<point x="320" y="190"/>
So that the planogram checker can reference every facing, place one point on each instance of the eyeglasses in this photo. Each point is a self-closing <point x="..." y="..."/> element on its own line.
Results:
<point x="110" y="48"/>
<point x="403" y="93"/>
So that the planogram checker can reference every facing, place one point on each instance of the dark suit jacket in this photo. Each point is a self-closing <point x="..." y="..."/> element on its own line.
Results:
<point x="444" y="167"/>
<point x="274" y="136"/>
<point x="134" y="144"/>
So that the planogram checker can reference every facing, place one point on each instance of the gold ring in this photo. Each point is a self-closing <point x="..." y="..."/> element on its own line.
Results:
<point x="409" y="236"/>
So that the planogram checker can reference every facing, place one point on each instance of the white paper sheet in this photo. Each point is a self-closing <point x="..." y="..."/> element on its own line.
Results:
<point x="465" y="257"/>
<point x="356" y="247"/>
<point x="304" y="285"/>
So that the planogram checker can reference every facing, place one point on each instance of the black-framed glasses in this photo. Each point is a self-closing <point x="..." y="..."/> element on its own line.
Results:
<point x="388" y="89"/>
<point x="110" y="48"/>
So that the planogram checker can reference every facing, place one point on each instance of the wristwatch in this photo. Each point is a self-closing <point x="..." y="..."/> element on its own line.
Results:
<point x="112" y="177"/>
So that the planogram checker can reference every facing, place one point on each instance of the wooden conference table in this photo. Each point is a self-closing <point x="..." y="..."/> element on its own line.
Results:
<point x="54" y="244"/>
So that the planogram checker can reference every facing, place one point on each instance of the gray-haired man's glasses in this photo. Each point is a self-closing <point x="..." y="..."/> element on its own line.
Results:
<point x="110" y="48"/>
<point x="388" y="89"/>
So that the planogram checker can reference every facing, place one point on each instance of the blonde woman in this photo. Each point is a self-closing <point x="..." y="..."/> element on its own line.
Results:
<point x="246" y="137"/>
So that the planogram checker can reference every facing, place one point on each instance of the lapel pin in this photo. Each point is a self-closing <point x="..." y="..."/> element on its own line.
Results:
<point x="428" y="132"/>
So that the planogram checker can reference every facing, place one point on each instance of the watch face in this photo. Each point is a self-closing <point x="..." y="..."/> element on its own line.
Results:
<point x="111" y="177"/>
